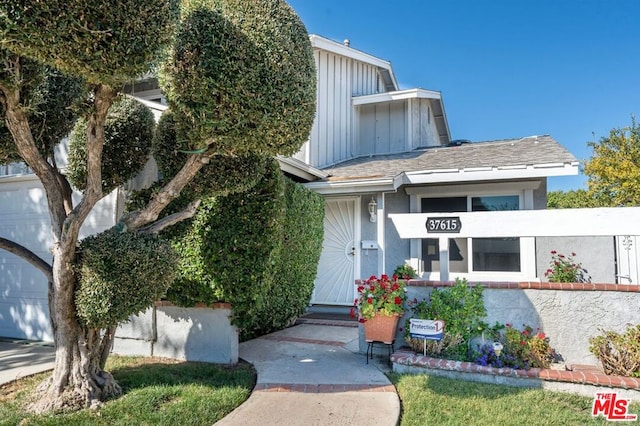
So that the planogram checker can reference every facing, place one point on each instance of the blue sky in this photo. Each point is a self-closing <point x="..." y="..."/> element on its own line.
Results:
<point x="506" y="68"/>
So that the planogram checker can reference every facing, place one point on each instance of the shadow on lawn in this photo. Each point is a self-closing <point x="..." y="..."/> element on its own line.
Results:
<point x="166" y="372"/>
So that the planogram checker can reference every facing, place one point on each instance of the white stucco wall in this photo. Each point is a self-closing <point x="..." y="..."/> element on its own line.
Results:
<point x="190" y="334"/>
<point x="568" y="317"/>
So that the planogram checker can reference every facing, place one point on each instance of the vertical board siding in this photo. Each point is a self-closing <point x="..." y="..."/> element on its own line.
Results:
<point x="332" y="135"/>
<point x="424" y="129"/>
<point x="383" y="128"/>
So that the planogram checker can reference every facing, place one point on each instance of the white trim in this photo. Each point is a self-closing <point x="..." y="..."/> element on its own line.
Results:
<point x="497" y="188"/>
<point x="319" y="42"/>
<point x="299" y="168"/>
<point x="395" y="96"/>
<point x="380" y="229"/>
<point x="606" y="221"/>
<point x="468" y="175"/>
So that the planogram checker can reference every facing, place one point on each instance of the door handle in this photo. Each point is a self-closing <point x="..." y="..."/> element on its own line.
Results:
<point x="353" y="251"/>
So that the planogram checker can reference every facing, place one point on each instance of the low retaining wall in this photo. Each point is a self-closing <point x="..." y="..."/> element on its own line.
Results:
<point x="192" y="334"/>
<point x="568" y="313"/>
<point x="578" y="380"/>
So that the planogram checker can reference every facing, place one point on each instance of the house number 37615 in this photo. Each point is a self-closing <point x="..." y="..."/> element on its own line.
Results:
<point x="444" y="224"/>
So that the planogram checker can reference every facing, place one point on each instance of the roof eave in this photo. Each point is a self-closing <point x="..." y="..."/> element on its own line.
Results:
<point x="443" y="176"/>
<point x="300" y="169"/>
<point x="491" y="173"/>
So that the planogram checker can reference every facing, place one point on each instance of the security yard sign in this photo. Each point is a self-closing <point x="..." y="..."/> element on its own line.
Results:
<point x="426" y="329"/>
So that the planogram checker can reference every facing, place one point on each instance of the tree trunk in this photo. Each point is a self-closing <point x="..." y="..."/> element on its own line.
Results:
<point x="78" y="379"/>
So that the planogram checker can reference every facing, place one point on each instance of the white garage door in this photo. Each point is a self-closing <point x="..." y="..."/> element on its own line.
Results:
<point x="24" y="218"/>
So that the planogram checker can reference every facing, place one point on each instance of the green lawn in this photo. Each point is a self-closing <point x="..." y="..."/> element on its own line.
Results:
<point x="155" y="392"/>
<point x="430" y="400"/>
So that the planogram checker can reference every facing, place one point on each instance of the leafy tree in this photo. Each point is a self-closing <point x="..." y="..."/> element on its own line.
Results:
<point x="614" y="167"/>
<point x="572" y="199"/>
<point x="104" y="45"/>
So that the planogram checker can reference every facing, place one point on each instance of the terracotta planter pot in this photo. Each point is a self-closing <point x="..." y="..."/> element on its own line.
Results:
<point x="381" y="328"/>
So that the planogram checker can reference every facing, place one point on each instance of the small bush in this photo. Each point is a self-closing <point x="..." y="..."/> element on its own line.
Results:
<point x="564" y="269"/>
<point x="405" y="271"/>
<point x="121" y="274"/>
<point x="619" y="353"/>
<point x="526" y="349"/>
<point x="461" y="307"/>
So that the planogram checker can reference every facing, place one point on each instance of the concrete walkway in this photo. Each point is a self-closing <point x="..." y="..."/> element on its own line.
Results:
<point x="312" y="375"/>
<point x="309" y="374"/>
<point x="20" y="358"/>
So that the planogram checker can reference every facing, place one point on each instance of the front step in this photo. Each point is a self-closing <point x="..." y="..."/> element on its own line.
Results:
<point x="328" y="315"/>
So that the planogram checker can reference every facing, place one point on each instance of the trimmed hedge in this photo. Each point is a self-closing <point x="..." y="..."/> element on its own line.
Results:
<point x="241" y="77"/>
<point x="257" y="250"/>
<point x="121" y="274"/>
<point x="128" y="134"/>
<point x="113" y="42"/>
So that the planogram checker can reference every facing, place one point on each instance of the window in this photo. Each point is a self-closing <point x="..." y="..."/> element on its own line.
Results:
<point x="473" y="254"/>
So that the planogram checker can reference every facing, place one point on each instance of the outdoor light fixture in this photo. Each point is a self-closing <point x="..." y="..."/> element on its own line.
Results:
<point x="497" y="348"/>
<point x="373" y="209"/>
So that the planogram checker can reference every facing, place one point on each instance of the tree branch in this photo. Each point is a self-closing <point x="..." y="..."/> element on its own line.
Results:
<point x="28" y="255"/>
<point x="167" y="221"/>
<point x="168" y="193"/>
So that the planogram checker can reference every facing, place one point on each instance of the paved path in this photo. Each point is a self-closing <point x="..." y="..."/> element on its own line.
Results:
<point x="20" y="358"/>
<point x="312" y="375"/>
<point x="309" y="374"/>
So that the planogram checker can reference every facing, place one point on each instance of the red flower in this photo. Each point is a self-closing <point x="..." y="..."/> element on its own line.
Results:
<point x="553" y="252"/>
<point x="573" y="254"/>
<point x="398" y="301"/>
<point x="508" y="325"/>
<point x="541" y="336"/>
<point x="523" y="343"/>
<point x="361" y="320"/>
<point x="384" y="277"/>
<point x="352" y="314"/>
<point x="394" y="277"/>
<point x="372" y="288"/>
<point x="369" y="300"/>
<point x="395" y="287"/>
<point x="360" y="288"/>
<point x="525" y="332"/>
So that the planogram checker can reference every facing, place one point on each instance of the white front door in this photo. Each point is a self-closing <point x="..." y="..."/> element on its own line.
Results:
<point x="339" y="261"/>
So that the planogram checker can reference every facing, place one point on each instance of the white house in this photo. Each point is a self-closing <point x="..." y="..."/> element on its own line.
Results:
<point x="374" y="150"/>
<point x="379" y="150"/>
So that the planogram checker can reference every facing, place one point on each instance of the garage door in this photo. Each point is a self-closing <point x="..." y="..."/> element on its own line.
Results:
<point x="24" y="218"/>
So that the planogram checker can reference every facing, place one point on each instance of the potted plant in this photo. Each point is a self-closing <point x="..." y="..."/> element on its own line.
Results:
<point x="379" y="305"/>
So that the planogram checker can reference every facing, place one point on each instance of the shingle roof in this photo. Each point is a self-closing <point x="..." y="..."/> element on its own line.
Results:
<point x="527" y="151"/>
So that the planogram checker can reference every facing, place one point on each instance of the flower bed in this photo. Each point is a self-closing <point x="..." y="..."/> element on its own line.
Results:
<point x="584" y="380"/>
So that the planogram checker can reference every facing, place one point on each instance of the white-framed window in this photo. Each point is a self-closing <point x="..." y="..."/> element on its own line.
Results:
<point x="473" y="255"/>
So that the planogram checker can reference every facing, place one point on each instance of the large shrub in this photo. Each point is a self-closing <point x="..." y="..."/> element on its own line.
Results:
<point x="229" y="252"/>
<point x="241" y="77"/>
<point x="128" y="136"/>
<point x="257" y="249"/>
<point x="291" y="288"/>
<point x="121" y="274"/>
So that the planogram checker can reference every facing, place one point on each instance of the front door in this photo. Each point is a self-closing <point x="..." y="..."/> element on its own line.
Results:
<point x="335" y="282"/>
